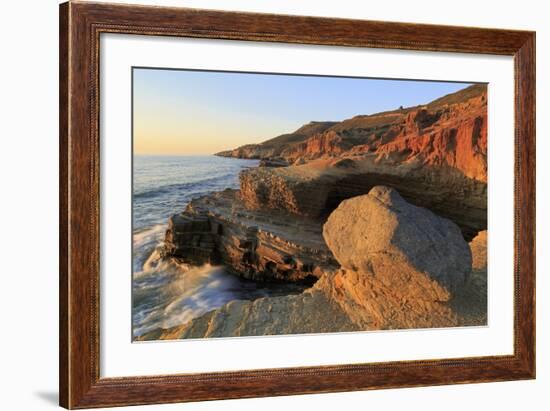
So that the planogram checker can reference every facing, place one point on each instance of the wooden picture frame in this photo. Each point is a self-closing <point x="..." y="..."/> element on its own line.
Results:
<point x="80" y="27"/>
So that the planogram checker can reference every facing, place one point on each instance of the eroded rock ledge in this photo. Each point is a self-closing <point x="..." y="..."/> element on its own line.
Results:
<point x="316" y="188"/>
<point x="256" y="244"/>
<point x="413" y="270"/>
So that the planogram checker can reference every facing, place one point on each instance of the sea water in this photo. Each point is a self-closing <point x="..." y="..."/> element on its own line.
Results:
<point x="165" y="294"/>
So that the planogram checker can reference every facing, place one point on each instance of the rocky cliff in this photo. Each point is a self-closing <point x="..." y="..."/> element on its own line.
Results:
<point x="277" y="147"/>
<point x="412" y="269"/>
<point x="450" y="131"/>
<point x="435" y="156"/>
<point x="316" y="188"/>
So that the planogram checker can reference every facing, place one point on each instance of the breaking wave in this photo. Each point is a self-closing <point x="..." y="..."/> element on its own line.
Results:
<point x="166" y="293"/>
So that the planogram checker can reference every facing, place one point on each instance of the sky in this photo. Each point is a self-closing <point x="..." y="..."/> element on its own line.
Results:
<point x="182" y="112"/>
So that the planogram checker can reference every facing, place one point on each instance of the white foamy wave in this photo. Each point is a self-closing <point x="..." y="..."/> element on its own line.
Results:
<point x="146" y="246"/>
<point x="176" y="294"/>
<point x="200" y="290"/>
<point x="151" y="234"/>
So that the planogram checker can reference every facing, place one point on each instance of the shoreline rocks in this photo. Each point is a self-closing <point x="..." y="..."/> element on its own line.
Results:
<point x="374" y="212"/>
<point x="372" y="290"/>
<point x="258" y="245"/>
<point x="315" y="189"/>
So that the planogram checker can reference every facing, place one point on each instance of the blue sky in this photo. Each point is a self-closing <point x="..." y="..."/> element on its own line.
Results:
<point x="199" y="112"/>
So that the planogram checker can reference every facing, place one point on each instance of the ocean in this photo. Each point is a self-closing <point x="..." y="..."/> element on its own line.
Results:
<point x="165" y="294"/>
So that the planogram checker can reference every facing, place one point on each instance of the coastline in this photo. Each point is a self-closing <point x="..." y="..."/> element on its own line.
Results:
<point x="423" y="173"/>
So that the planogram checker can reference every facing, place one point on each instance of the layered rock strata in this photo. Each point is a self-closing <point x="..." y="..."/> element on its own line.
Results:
<point x="412" y="269"/>
<point x="316" y="188"/>
<point x="450" y="131"/>
<point x="258" y="244"/>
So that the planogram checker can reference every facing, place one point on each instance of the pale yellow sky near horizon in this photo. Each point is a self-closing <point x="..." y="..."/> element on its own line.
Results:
<point x="179" y="112"/>
<point x="167" y="124"/>
<point x="184" y="135"/>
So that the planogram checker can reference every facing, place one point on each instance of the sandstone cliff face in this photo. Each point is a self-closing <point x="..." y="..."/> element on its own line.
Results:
<point x="435" y="156"/>
<point x="455" y="136"/>
<point x="316" y="188"/>
<point x="275" y="147"/>
<point x="451" y="131"/>
<point x="419" y="281"/>
<point x="327" y="143"/>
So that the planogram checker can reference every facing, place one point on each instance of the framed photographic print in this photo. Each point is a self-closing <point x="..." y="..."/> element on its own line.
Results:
<point x="258" y="205"/>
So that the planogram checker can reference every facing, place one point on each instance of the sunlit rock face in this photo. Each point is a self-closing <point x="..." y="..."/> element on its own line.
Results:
<point x="401" y="266"/>
<point x="450" y="131"/>
<point x="435" y="156"/>
<point x="407" y="248"/>
<point x="383" y="215"/>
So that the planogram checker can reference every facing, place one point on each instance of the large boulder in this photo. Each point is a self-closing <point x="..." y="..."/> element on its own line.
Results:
<point x="409" y="249"/>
